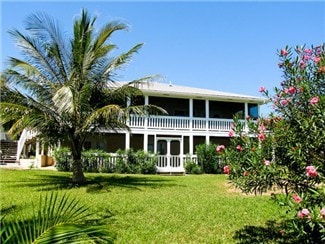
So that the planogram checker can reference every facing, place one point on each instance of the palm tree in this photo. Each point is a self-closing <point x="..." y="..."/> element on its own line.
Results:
<point x="65" y="88"/>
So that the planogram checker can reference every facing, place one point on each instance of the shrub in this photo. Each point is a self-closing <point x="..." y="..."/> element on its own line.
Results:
<point x="192" y="167"/>
<point x="147" y="162"/>
<point x="63" y="159"/>
<point x="139" y="162"/>
<point x="208" y="158"/>
<point x="96" y="160"/>
<point x="286" y="150"/>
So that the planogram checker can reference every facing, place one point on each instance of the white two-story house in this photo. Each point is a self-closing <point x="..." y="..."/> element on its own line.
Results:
<point x="195" y="116"/>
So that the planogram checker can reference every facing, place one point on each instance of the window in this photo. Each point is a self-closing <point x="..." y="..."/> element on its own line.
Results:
<point x="253" y="111"/>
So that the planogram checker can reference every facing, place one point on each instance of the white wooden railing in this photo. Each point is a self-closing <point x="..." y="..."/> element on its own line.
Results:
<point x="25" y="135"/>
<point x="180" y="123"/>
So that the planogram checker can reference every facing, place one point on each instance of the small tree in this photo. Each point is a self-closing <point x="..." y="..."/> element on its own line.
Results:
<point x="287" y="150"/>
<point x="64" y="87"/>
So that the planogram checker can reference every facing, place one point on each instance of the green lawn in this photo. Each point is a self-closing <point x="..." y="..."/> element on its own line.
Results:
<point x="149" y="209"/>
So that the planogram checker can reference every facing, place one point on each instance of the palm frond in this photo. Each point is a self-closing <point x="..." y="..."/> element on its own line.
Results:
<point x="56" y="219"/>
<point x="146" y="110"/>
<point x="109" y="116"/>
<point x="47" y="29"/>
<point x="35" y="53"/>
<point x="121" y="60"/>
<point x="63" y="100"/>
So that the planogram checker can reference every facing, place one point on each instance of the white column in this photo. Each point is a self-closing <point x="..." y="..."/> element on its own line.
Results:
<point x="246" y="110"/>
<point x="207" y="139"/>
<point x="146" y="102"/>
<point x="246" y="114"/>
<point x="127" y="140"/>
<point x="207" y="114"/>
<point x="191" y="113"/>
<point x="37" y="155"/>
<point x="191" y="144"/>
<point x="145" y="142"/>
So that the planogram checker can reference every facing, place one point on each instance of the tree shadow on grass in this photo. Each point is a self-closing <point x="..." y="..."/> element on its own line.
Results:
<point x="95" y="183"/>
<point x="270" y="233"/>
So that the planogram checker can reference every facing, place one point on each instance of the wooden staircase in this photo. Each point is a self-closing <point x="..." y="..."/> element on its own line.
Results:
<point x="8" y="151"/>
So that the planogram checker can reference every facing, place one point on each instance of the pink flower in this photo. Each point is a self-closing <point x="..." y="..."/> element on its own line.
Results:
<point x="266" y="162"/>
<point x="302" y="65"/>
<point x="226" y="170"/>
<point x="316" y="59"/>
<point x="296" y="198"/>
<point x="220" y="148"/>
<point x="245" y="173"/>
<point x="300" y="215"/>
<point x="261" y="128"/>
<point x="322" y="213"/>
<point x="261" y="137"/>
<point x="262" y="89"/>
<point x="283" y="52"/>
<point x="311" y="171"/>
<point x="305" y="57"/>
<point x="314" y="100"/>
<point x="303" y="213"/>
<point x="308" y="51"/>
<point x="284" y="102"/>
<point x="239" y="148"/>
<point x="231" y="133"/>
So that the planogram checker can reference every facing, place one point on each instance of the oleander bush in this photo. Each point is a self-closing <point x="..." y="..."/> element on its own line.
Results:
<point x="287" y="150"/>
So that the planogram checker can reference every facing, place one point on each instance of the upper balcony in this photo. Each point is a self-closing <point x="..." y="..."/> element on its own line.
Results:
<point x="180" y="123"/>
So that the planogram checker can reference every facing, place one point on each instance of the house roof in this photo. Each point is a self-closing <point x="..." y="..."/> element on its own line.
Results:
<point x="171" y="90"/>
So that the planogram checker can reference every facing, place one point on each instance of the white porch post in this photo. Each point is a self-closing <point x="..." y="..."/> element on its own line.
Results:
<point x="127" y="140"/>
<point x="146" y="102"/>
<point x="168" y="154"/>
<point x="191" y="144"/>
<point x="37" y="155"/>
<point x="246" y="110"/>
<point x="181" y="152"/>
<point x="145" y="142"/>
<point x="246" y="115"/>
<point x="207" y="114"/>
<point x="191" y="113"/>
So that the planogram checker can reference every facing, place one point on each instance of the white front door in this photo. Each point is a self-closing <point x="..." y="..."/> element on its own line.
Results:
<point x="169" y="154"/>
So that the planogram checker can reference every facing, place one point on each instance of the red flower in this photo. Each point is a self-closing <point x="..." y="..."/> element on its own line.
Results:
<point x="231" y="133"/>
<point x="311" y="171"/>
<point x="226" y="170"/>
<point x="245" y="173"/>
<point x="262" y="89"/>
<point x="261" y="137"/>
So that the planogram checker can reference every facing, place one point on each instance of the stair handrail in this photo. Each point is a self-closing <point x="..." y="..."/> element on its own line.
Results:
<point x="25" y="135"/>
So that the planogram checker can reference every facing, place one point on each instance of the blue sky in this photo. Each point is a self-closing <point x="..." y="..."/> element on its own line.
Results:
<point x="218" y="45"/>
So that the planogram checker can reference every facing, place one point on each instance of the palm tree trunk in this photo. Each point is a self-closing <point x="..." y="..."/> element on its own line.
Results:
<point x="78" y="176"/>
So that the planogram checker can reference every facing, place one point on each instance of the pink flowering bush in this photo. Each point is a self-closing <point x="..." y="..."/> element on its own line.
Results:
<point x="287" y="150"/>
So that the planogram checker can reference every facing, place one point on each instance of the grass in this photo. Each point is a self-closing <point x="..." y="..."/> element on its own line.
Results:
<point x="150" y="209"/>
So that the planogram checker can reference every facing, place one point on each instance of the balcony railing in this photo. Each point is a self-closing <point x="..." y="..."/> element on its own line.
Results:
<point x="180" y="123"/>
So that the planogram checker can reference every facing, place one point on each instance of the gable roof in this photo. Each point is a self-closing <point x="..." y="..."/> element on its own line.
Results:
<point x="171" y="90"/>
